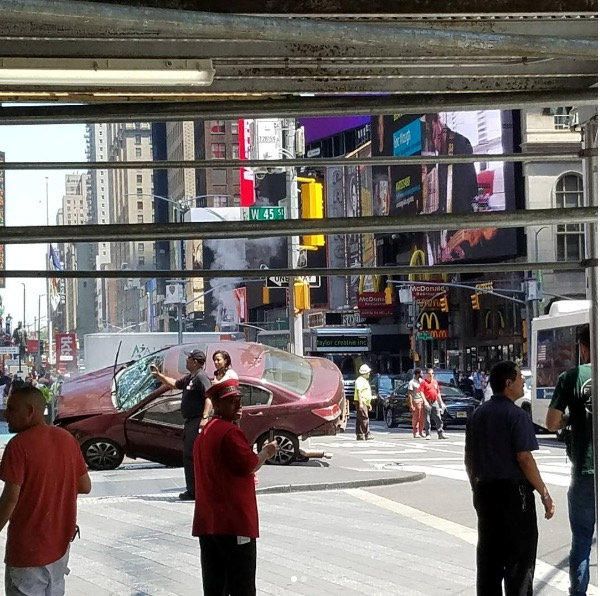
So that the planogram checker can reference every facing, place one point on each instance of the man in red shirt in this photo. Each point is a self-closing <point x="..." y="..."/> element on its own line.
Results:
<point x="43" y="471"/>
<point x="434" y="406"/>
<point x="225" y="514"/>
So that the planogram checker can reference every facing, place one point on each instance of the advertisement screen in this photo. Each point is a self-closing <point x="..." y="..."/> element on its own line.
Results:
<point x="447" y="188"/>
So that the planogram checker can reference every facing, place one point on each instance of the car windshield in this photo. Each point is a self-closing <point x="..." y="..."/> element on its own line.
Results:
<point x="385" y="383"/>
<point x="134" y="383"/>
<point x="451" y="391"/>
<point x="445" y="376"/>
<point x="288" y="371"/>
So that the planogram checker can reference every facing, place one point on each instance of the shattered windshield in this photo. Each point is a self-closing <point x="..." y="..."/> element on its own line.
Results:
<point x="135" y="382"/>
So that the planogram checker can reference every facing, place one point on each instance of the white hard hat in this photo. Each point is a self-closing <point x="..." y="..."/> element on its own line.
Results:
<point x="364" y="369"/>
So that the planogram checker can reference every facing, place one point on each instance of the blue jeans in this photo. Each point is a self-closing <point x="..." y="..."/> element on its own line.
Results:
<point x="582" y="517"/>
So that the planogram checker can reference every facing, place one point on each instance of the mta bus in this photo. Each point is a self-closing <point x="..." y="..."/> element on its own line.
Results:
<point x="554" y="349"/>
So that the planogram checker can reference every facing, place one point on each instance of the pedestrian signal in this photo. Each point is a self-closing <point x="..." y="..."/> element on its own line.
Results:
<point x="311" y="199"/>
<point x="475" y="301"/>
<point x="301" y="296"/>
<point x="265" y="295"/>
<point x="444" y="303"/>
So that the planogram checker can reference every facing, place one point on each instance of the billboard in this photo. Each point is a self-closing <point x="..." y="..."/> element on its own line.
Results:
<point x="66" y="351"/>
<point x="447" y="188"/>
<point x="2" y="218"/>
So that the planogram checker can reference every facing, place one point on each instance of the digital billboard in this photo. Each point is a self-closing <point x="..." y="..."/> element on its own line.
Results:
<point x="447" y="188"/>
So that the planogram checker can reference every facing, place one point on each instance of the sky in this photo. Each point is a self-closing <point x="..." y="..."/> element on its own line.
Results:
<point x="26" y="203"/>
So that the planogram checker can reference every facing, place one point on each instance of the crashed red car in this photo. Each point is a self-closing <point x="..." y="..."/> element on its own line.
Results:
<point x="126" y="412"/>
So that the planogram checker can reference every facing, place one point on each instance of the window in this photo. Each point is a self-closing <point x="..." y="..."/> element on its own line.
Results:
<point x="141" y="261"/>
<point x="254" y="396"/>
<point x="218" y="151"/>
<point x="141" y="247"/>
<point x="234" y="128"/>
<point x="133" y="384"/>
<point x="139" y="178"/>
<point x="140" y="218"/>
<point x="561" y="117"/>
<point x="288" y="371"/>
<point x="140" y="205"/>
<point x="569" y="237"/>
<point x="217" y="127"/>
<point x="138" y="152"/>
<point x="235" y="152"/>
<point x="166" y="413"/>
<point x="219" y="176"/>
<point x="138" y="139"/>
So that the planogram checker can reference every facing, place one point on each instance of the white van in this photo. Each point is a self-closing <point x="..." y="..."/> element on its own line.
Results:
<point x="554" y="350"/>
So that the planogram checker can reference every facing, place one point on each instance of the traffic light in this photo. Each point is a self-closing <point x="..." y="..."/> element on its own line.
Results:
<point x="266" y="295"/>
<point x="475" y="301"/>
<point x="389" y="294"/>
<point x="444" y="303"/>
<point x="311" y="197"/>
<point x="301" y="296"/>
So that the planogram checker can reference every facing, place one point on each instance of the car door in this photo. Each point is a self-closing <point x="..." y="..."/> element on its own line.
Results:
<point x="258" y="414"/>
<point x="155" y="430"/>
<point x="397" y="402"/>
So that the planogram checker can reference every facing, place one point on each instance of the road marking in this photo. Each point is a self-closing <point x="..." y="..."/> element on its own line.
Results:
<point x="402" y="460"/>
<point x="544" y="572"/>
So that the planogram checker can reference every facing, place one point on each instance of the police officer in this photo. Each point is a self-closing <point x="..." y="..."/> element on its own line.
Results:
<point x="195" y="409"/>
<point x="503" y="476"/>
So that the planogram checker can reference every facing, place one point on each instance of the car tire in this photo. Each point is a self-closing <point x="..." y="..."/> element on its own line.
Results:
<point x="102" y="454"/>
<point x="390" y="422"/>
<point x="289" y="448"/>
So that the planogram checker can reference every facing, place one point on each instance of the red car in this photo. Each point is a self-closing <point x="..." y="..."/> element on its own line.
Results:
<point x="129" y="413"/>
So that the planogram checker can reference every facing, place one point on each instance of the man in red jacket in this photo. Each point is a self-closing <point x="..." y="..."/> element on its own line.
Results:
<point x="225" y="514"/>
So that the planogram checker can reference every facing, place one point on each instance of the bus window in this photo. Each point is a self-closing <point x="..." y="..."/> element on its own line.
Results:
<point x="556" y="353"/>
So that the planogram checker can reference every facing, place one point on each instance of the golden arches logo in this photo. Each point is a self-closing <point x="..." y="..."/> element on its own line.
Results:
<point x="430" y="318"/>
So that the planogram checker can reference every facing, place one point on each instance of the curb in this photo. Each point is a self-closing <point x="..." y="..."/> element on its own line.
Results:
<point x="321" y="486"/>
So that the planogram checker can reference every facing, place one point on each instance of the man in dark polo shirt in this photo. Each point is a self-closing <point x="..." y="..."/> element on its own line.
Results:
<point x="195" y="409"/>
<point x="503" y="476"/>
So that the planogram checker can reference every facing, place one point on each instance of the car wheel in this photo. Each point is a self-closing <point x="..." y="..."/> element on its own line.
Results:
<point x="288" y="448"/>
<point x="102" y="454"/>
<point x="389" y="419"/>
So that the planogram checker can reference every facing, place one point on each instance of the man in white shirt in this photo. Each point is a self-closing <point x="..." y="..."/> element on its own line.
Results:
<point x="362" y="401"/>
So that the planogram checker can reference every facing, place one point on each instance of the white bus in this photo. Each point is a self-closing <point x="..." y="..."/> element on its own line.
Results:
<point x="554" y="350"/>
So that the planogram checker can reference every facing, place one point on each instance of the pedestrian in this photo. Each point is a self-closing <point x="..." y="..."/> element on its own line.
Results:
<point x="223" y="370"/>
<point x="416" y="404"/>
<point x="573" y="392"/>
<point x="362" y="402"/>
<point x="226" y="514"/>
<point x="503" y="475"/>
<point x="43" y="471"/>
<point x="195" y="409"/>
<point x="434" y="405"/>
<point x="478" y="384"/>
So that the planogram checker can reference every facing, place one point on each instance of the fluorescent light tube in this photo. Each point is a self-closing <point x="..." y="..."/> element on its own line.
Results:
<point x="75" y="72"/>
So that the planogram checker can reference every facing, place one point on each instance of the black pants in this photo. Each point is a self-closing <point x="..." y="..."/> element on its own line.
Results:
<point x="228" y="568"/>
<point x="190" y="432"/>
<point x="507" y="538"/>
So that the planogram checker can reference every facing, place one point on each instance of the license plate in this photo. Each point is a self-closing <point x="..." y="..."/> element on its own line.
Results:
<point x="461" y="414"/>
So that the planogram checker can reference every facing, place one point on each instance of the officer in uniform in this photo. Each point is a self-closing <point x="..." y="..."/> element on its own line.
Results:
<point x="195" y="409"/>
<point x="503" y="476"/>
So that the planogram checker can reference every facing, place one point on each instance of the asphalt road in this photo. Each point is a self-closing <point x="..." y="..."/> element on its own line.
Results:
<point x="411" y="538"/>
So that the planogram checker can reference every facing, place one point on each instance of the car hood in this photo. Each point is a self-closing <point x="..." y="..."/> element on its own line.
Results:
<point x="86" y="395"/>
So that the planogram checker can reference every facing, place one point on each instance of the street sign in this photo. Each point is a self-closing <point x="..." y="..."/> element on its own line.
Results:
<point x="281" y="281"/>
<point x="4" y="350"/>
<point x="266" y="213"/>
<point x="174" y="294"/>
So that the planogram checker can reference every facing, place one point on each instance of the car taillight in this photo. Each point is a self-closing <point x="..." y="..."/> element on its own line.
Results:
<point x="329" y="413"/>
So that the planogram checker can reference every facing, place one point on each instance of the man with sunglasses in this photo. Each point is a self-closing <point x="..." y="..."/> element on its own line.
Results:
<point x="195" y="409"/>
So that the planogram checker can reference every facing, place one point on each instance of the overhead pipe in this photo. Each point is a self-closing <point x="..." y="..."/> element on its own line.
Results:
<point x="296" y="227"/>
<point x="314" y="162"/>
<point x="467" y="269"/>
<point x="118" y="20"/>
<point x="341" y="105"/>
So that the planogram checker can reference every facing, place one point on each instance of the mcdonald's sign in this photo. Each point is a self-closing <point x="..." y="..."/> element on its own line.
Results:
<point x="431" y="323"/>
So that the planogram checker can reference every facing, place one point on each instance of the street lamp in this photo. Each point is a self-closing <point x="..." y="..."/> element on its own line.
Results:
<point x="536" y="304"/>
<point x="39" y="330"/>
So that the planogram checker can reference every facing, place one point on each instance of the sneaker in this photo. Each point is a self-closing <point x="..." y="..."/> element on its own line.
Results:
<point x="422" y="435"/>
<point x="427" y="437"/>
<point x="415" y="435"/>
<point x="360" y="438"/>
<point x="186" y="496"/>
<point x="442" y="436"/>
<point x="369" y="438"/>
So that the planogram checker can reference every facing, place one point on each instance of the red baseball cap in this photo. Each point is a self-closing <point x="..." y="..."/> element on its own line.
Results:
<point x="229" y="388"/>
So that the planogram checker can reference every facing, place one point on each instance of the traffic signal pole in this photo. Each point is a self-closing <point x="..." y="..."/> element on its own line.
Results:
<point x="295" y="318"/>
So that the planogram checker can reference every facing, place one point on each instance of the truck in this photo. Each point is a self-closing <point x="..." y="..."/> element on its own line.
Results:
<point x="100" y="349"/>
<point x="554" y="350"/>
